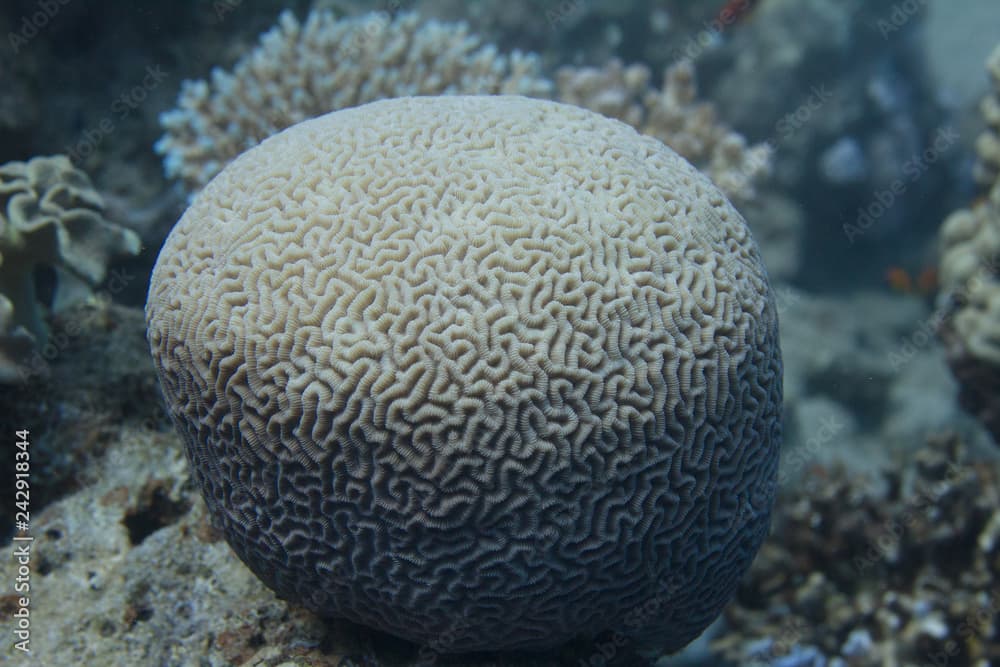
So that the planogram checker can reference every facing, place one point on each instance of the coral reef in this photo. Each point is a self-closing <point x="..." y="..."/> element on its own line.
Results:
<point x="50" y="216"/>
<point x="459" y="334"/>
<point x="126" y="568"/>
<point x="673" y="115"/>
<point x="899" y="570"/>
<point x="300" y="71"/>
<point x="850" y="94"/>
<point x="855" y="123"/>
<point x="864" y="378"/>
<point x="778" y="223"/>
<point x="18" y="104"/>
<point x="180" y="597"/>
<point x="568" y="30"/>
<point x="99" y="378"/>
<point x="970" y="276"/>
<point x="987" y="169"/>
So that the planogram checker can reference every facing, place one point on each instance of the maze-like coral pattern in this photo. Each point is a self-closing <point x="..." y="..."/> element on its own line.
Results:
<point x="483" y="372"/>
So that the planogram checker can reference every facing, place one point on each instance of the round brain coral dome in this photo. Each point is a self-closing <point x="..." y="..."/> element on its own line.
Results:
<point x="480" y="372"/>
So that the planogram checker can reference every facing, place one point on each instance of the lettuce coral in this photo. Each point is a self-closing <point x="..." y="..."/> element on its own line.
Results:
<point x="50" y="216"/>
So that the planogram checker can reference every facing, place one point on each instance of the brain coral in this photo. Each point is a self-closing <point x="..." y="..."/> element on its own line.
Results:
<point x="482" y="372"/>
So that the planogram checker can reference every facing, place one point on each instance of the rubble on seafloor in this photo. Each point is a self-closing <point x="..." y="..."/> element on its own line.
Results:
<point x="900" y="569"/>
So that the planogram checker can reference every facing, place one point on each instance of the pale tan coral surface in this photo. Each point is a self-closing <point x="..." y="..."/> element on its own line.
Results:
<point x="493" y="369"/>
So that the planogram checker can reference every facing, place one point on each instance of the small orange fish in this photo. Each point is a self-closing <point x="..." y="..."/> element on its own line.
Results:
<point x="927" y="280"/>
<point x="899" y="280"/>
<point x="924" y="284"/>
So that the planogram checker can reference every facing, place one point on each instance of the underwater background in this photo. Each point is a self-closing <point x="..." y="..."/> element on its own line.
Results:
<point x="859" y="139"/>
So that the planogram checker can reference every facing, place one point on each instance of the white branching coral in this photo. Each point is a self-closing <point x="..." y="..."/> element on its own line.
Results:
<point x="970" y="240"/>
<point x="987" y="169"/>
<point x="303" y="70"/>
<point x="673" y="115"/>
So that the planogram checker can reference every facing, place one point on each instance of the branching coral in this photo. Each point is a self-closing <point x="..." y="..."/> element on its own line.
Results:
<point x="299" y="71"/>
<point x="673" y="115"/>
<point x="50" y="216"/>
<point x="302" y="70"/>
<point x="970" y="275"/>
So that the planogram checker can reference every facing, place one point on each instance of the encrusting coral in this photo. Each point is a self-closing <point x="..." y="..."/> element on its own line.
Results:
<point x="50" y="216"/>
<point x="480" y="371"/>
<point x="970" y="276"/>
<point x="300" y="71"/>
